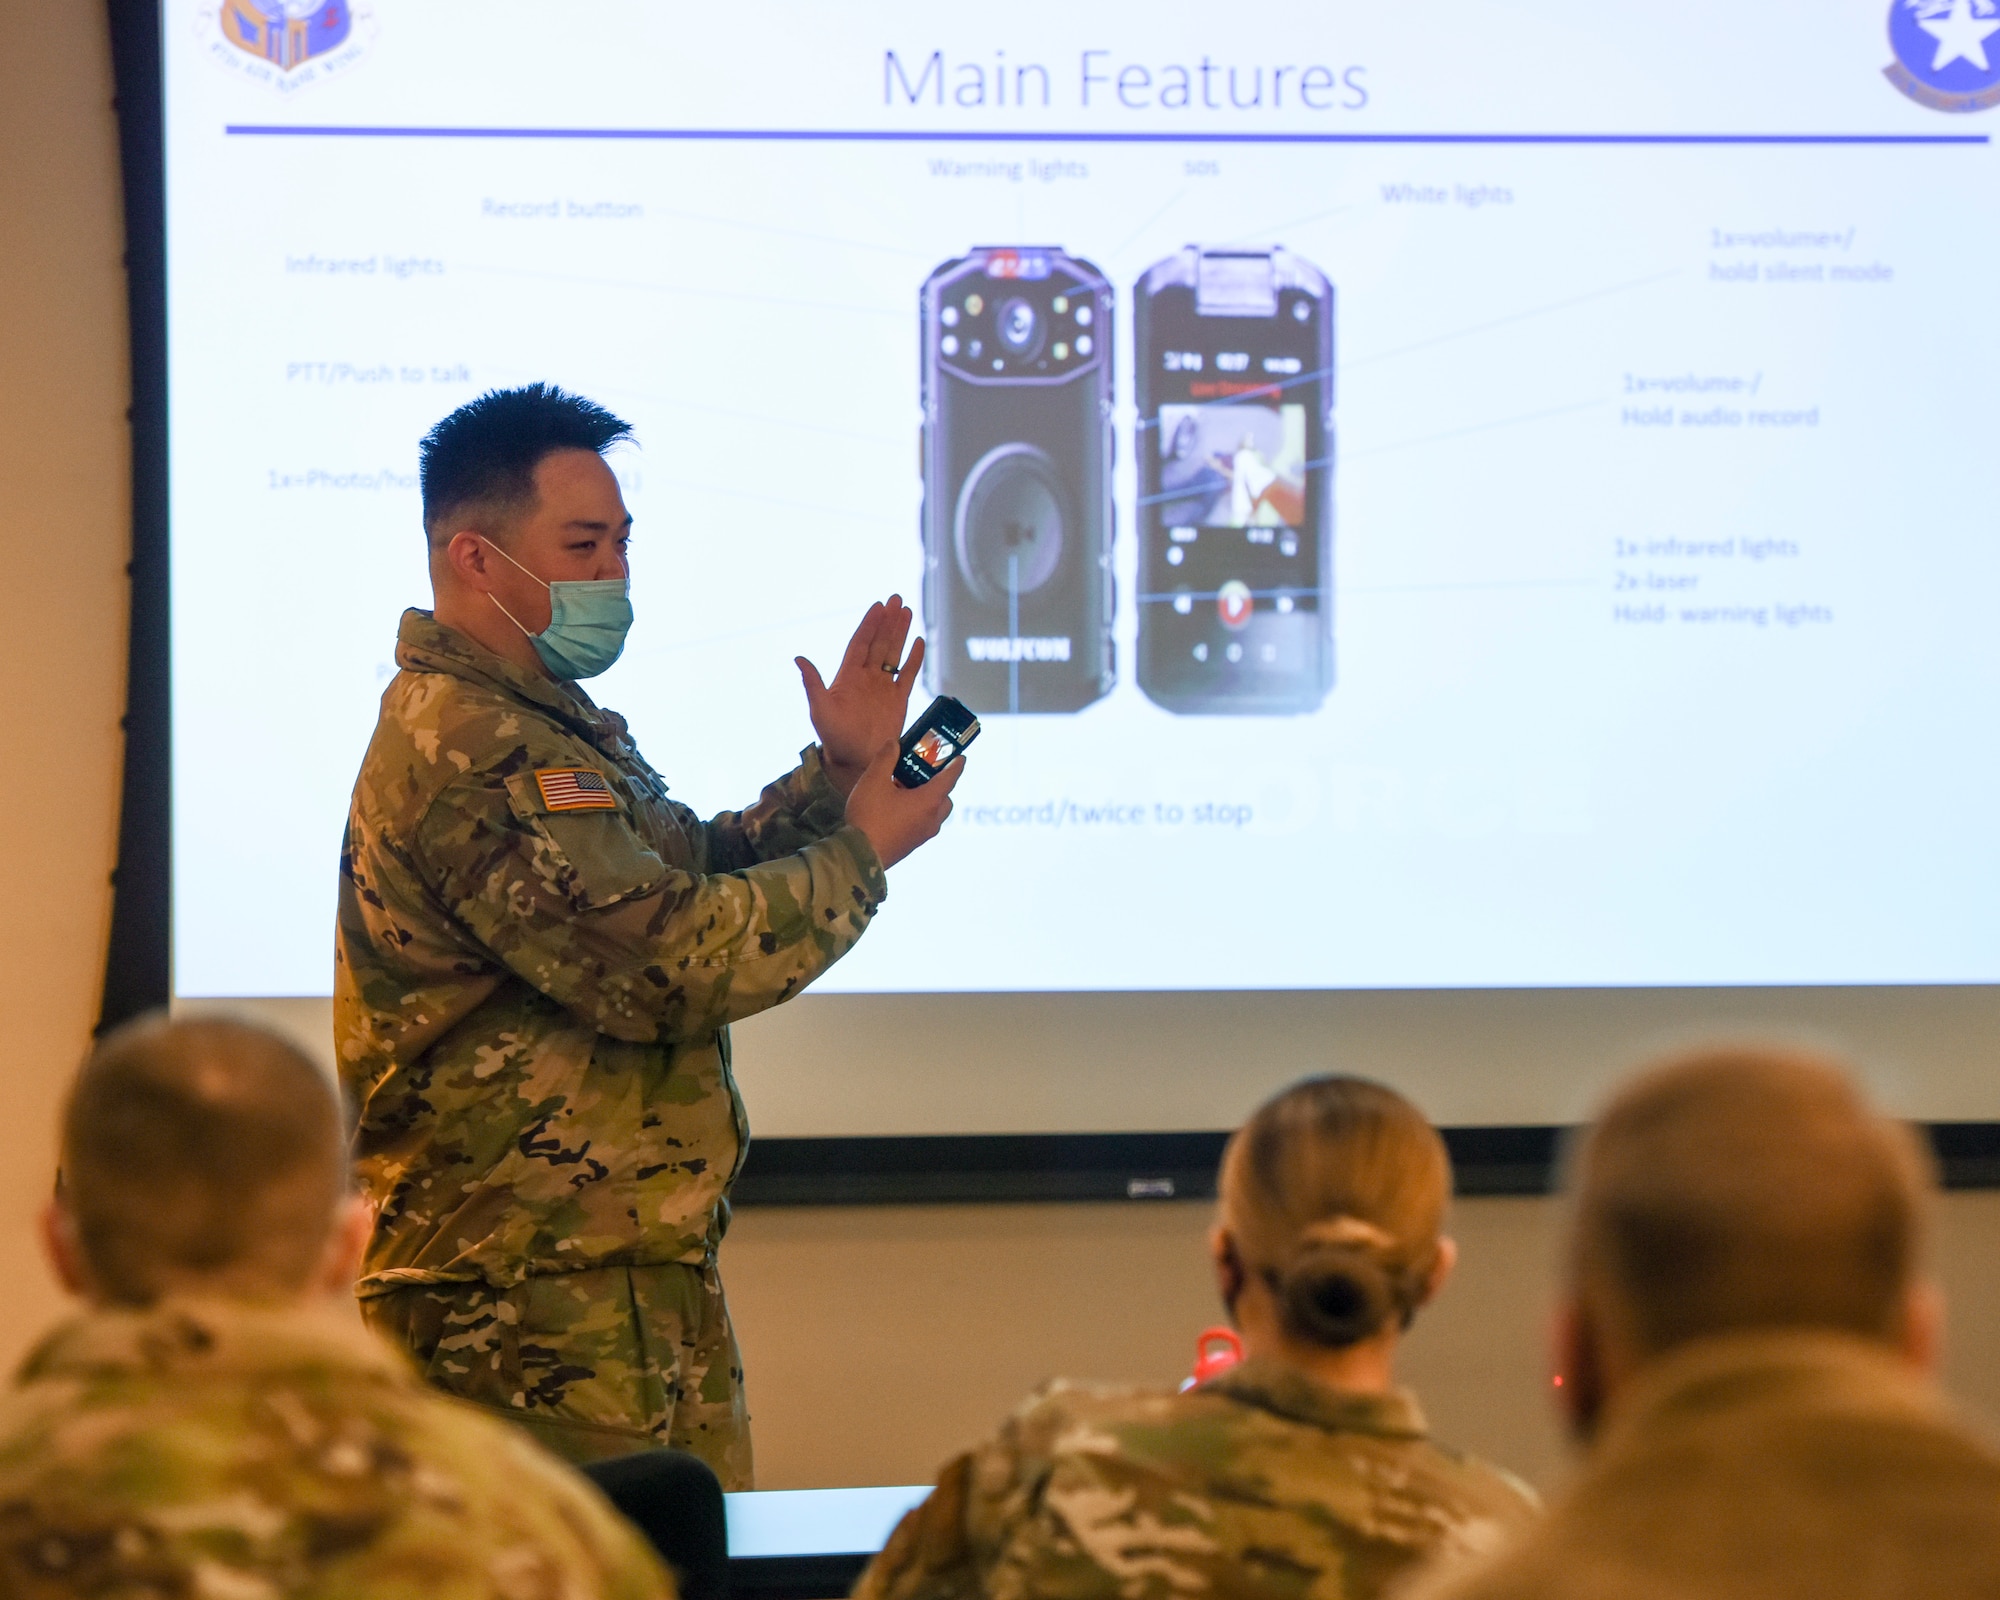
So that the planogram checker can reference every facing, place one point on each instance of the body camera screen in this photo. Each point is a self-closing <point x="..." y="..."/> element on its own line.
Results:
<point x="1235" y="453"/>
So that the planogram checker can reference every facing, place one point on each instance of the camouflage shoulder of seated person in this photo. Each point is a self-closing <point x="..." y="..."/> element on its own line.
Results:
<point x="1142" y="1496"/>
<point x="203" y="1450"/>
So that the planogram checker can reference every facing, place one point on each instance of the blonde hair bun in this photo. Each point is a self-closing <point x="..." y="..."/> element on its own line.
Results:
<point x="1333" y="1195"/>
<point x="1336" y="1294"/>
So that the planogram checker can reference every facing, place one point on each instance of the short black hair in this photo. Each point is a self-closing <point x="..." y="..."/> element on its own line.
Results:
<point x="485" y="453"/>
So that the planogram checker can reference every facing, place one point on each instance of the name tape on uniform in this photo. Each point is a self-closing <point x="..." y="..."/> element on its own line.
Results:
<point x="575" y="789"/>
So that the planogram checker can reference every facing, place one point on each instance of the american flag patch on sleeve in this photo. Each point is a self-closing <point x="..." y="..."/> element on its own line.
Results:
<point x="575" y="789"/>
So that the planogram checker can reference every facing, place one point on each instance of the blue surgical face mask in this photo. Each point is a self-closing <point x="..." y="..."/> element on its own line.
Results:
<point x="588" y="621"/>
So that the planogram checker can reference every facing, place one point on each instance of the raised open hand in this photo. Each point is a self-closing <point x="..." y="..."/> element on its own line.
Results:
<point x="869" y="699"/>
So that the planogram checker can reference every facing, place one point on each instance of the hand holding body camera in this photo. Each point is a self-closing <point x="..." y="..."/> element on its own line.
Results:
<point x="896" y="803"/>
<point x="934" y="741"/>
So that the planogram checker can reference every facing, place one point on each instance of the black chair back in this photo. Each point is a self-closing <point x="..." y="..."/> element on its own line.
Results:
<point x="676" y="1501"/>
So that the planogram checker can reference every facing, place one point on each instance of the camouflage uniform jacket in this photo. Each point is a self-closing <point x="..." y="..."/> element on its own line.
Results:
<point x="1775" y="1464"/>
<point x="530" y="997"/>
<point x="241" y="1453"/>
<point x="1260" y="1483"/>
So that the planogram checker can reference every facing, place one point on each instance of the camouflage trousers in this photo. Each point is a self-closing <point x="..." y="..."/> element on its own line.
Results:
<point x="594" y="1364"/>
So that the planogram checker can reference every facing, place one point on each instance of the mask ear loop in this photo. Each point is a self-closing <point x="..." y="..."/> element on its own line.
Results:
<point x="496" y="599"/>
<point x="509" y="615"/>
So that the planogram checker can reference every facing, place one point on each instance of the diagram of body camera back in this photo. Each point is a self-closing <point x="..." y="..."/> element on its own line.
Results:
<point x="1017" y="520"/>
<point x="1233" y="351"/>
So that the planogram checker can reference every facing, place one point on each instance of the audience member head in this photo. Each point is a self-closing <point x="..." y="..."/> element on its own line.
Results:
<point x="203" y="1157"/>
<point x="1328" y="1239"/>
<point x="1733" y="1190"/>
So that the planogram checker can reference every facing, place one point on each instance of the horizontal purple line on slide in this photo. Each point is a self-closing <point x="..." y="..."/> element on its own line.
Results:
<point x="261" y="130"/>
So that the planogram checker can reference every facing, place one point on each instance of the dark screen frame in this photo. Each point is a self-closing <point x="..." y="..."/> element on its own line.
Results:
<point x="138" y="968"/>
<point x="945" y="1168"/>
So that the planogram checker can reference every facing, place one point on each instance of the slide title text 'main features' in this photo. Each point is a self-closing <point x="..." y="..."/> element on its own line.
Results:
<point x="1101" y="81"/>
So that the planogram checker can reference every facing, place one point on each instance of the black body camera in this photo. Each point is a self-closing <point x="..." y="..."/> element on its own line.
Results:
<point x="1234" y="355"/>
<point x="1017" y="521"/>
<point x="933" y="741"/>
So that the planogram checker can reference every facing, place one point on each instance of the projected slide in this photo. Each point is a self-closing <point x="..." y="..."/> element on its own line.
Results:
<point x="1464" y="496"/>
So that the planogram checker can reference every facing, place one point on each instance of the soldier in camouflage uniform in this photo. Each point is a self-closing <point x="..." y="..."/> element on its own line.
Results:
<point x="539" y="953"/>
<point x="214" y="1448"/>
<point x="1300" y="1473"/>
<point x="1749" y="1346"/>
<point x="216" y="1425"/>
<point x="1261" y="1482"/>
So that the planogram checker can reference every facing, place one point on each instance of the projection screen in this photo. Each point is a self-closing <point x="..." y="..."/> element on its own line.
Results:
<point x="1469" y="530"/>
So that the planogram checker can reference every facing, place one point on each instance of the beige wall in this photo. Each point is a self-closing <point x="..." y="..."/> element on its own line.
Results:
<point x="64" y="484"/>
<point x="878" y="1339"/>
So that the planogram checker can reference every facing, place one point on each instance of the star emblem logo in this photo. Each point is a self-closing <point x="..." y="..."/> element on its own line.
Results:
<point x="1960" y="35"/>
<point x="1947" y="56"/>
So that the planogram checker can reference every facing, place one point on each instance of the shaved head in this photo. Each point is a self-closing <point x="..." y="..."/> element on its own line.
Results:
<point x="201" y="1154"/>
<point x="1746" y="1188"/>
